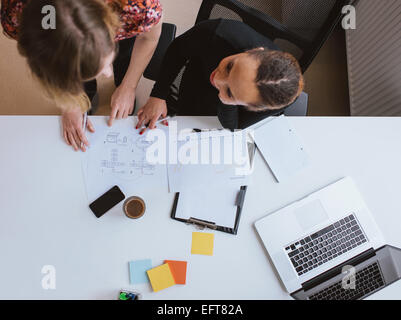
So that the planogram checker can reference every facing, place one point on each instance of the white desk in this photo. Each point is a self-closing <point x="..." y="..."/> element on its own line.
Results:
<point x="45" y="219"/>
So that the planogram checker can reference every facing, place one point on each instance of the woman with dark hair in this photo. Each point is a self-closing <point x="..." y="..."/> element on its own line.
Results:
<point x="91" y="38"/>
<point x="231" y="71"/>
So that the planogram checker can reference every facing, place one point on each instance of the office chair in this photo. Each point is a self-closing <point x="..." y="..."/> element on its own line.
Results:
<point x="296" y="26"/>
<point x="299" y="108"/>
<point x="166" y="37"/>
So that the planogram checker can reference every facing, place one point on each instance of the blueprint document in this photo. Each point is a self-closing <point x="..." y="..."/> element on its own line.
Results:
<point x="117" y="156"/>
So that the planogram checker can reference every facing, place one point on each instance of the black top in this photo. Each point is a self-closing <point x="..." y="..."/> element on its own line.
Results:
<point x="200" y="50"/>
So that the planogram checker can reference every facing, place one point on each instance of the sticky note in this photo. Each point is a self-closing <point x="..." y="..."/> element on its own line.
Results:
<point x="179" y="270"/>
<point x="137" y="271"/>
<point x="202" y="243"/>
<point x="161" y="277"/>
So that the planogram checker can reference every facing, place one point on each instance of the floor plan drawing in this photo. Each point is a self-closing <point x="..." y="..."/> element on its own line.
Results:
<point x="125" y="156"/>
<point x="117" y="156"/>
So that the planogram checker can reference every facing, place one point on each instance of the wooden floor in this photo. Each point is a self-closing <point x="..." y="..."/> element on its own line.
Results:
<point x="326" y="78"/>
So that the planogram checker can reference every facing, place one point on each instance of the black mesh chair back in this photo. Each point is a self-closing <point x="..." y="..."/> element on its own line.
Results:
<point x="297" y="26"/>
<point x="167" y="36"/>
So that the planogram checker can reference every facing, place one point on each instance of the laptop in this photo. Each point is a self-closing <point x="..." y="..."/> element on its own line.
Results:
<point x="327" y="246"/>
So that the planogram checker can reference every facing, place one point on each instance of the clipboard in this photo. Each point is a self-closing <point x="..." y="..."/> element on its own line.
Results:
<point x="202" y="224"/>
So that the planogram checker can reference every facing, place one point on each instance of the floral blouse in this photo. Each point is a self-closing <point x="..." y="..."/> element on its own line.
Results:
<point x="136" y="16"/>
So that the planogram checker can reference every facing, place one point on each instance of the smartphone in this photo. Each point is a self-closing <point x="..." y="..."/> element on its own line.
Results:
<point x="107" y="201"/>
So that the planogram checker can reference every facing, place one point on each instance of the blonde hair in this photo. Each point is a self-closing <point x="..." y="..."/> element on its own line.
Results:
<point x="62" y="59"/>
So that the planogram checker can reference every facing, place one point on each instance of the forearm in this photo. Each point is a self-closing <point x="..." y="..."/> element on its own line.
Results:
<point x="142" y="52"/>
<point x="141" y="55"/>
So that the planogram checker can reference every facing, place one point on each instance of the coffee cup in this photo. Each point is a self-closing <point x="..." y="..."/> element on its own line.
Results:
<point x="134" y="207"/>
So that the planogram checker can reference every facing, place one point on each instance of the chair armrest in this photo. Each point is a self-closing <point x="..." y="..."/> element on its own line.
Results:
<point x="299" y="108"/>
<point x="167" y="36"/>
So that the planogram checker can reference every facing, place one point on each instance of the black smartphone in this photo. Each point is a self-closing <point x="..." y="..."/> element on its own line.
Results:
<point x="107" y="201"/>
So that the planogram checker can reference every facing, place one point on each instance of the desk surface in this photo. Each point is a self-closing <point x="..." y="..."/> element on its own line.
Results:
<point x="45" y="218"/>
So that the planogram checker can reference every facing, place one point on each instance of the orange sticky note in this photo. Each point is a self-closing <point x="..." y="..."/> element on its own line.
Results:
<point x="161" y="277"/>
<point x="179" y="270"/>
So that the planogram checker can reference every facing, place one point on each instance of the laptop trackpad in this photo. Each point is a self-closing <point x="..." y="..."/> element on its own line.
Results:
<point x="311" y="214"/>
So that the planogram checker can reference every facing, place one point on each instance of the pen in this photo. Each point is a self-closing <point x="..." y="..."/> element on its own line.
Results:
<point x="143" y="128"/>
<point x="158" y="121"/>
<point x="84" y="125"/>
<point x="205" y="130"/>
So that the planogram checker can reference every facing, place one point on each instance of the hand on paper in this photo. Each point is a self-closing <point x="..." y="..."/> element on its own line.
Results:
<point x="73" y="133"/>
<point x="151" y="112"/>
<point x="122" y="103"/>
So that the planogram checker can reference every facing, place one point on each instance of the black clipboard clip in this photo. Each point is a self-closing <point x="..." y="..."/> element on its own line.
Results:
<point x="202" y="224"/>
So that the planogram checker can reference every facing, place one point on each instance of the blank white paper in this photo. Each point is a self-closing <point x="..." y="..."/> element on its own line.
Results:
<point x="210" y="204"/>
<point x="281" y="147"/>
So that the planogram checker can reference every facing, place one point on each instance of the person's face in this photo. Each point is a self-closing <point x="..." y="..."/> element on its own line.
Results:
<point x="234" y="78"/>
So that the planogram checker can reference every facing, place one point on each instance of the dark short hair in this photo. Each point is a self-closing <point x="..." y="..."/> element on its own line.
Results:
<point x="279" y="79"/>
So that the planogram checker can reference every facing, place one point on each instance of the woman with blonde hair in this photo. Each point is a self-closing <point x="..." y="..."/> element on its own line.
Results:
<point x="91" y="38"/>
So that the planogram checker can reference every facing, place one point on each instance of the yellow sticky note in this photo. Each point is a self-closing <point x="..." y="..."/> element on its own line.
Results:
<point x="202" y="243"/>
<point x="161" y="277"/>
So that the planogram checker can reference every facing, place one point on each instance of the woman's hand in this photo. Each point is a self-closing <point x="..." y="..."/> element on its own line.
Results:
<point x="122" y="103"/>
<point x="72" y="129"/>
<point x="151" y="112"/>
<point x="123" y="99"/>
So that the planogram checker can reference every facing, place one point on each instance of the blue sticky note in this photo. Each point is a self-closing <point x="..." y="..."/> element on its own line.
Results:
<point x="137" y="271"/>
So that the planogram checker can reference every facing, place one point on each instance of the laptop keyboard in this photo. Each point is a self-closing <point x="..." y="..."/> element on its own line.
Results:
<point x="367" y="280"/>
<point x="326" y="244"/>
